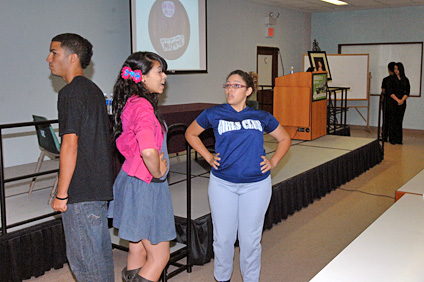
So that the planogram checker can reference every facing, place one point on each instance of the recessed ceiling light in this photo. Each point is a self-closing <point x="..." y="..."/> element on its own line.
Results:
<point x="335" y="2"/>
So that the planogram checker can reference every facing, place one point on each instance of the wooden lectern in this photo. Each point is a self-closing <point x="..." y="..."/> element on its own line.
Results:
<point x="300" y="104"/>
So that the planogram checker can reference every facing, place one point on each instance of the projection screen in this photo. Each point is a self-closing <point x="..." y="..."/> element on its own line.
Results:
<point x="174" y="29"/>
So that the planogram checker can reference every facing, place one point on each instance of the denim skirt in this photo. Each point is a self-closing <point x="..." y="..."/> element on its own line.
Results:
<point x="141" y="210"/>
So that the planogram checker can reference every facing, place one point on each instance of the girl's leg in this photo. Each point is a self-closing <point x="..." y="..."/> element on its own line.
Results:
<point x="157" y="258"/>
<point x="253" y="204"/>
<point x="135" y="260"/>
<point x="224" y="208"/>
<point x="401" y="115"/>
<point x="136" y="255"/>
<point x="390" y="121"/>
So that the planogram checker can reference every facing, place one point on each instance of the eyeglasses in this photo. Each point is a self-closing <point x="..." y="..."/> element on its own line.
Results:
<point x="233" y="86"/>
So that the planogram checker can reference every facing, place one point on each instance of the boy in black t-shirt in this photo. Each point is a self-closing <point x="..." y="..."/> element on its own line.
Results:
<point x="86" y="176"/>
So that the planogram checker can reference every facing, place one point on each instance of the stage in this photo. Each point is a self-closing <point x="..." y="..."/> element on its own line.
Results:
<point x="310" y="170"/>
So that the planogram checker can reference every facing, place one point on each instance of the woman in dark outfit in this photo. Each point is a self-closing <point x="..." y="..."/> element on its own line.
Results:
<point x="397" y="92"/>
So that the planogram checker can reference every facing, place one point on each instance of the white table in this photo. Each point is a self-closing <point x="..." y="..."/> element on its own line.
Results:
<point x="413" y="186"/>
<point x="390" y="249"/>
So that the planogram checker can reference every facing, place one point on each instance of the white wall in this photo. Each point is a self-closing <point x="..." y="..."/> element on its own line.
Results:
<point x="373" y="26"/>
<point x="26" y="29"/>
<point x="235" y="29"/>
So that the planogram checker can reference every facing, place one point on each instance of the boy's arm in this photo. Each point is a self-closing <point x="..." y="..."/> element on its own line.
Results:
<point x="68" y="160"/>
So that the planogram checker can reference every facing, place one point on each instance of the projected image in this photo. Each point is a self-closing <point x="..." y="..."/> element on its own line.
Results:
<point x="174" y="29"/>
<point x="169" y="28"/>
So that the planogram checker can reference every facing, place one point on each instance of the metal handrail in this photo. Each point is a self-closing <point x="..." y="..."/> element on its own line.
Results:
<point x="4" y="225"/>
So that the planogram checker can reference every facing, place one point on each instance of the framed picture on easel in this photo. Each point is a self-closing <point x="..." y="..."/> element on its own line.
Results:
<point x="318" y="60"/>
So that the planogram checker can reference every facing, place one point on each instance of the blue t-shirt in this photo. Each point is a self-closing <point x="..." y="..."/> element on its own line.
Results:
<point x="239" y="141"/>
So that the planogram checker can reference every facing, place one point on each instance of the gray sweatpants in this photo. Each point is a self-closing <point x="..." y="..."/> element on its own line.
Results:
<point x="238" y="208"/>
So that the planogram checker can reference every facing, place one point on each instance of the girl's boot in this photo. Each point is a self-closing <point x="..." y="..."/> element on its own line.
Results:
<point x="128" y="275"/>
<point x="138" y="278"/>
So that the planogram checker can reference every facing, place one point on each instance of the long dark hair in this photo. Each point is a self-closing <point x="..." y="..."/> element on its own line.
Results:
<point x="125" y="88"/>
<point x="401" y="69"/>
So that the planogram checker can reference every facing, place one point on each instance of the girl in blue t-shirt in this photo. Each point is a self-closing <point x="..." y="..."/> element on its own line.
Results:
<point x="240" y="182"/>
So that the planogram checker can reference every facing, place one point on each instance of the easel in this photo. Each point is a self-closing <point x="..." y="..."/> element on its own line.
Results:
<point x="350" y="70"/>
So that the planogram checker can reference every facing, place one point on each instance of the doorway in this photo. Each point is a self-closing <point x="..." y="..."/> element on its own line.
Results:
<point x="267" y="70"/>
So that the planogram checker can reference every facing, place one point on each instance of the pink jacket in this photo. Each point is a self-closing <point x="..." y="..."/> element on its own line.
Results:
<point x="140" y="130"/>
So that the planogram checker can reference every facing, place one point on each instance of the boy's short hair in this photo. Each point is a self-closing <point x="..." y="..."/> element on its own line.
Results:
<point x="391" y="66"/>
<point x="76" y="45"/>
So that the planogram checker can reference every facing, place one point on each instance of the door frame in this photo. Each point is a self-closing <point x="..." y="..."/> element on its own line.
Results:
<point x="273" y="51"/>
<point x="265" y="94"/>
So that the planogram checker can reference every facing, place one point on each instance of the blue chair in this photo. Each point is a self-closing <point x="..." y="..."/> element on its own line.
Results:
<point x="50" y="147"/>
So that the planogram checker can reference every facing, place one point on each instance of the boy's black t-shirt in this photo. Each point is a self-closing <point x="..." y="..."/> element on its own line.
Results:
<point x="82" y="110"/>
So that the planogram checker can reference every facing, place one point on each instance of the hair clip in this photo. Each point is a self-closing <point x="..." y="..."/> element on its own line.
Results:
<point x="127" y="73"/>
